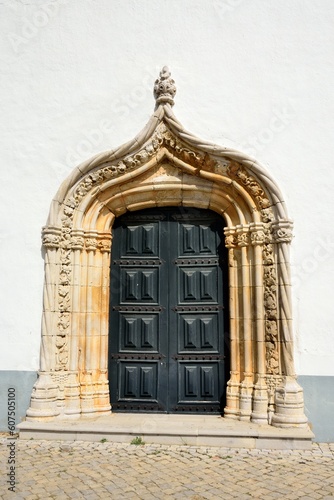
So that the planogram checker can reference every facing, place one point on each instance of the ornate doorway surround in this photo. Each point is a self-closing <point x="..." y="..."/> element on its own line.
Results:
<point x="166" y="166"/>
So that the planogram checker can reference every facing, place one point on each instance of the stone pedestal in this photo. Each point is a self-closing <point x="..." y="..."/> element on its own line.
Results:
<point x="43" y="405"/>
<point x="289" y="405"/>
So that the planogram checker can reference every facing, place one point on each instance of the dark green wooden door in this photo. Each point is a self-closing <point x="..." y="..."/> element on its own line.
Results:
<point x="167" y="337"/>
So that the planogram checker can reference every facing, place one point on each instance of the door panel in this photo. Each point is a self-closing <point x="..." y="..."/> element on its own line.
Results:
<point x="166" y="314"/>
<point x="196" y="239"/>
<point x="137" y="381"/>
<point x="198" y="284"/>
<point x="141" y="240"/>
<point x="198" y="332"/>
<point x="139" y="333"/>
<point x="139" y="285"/>
<point x="198" y="381"/>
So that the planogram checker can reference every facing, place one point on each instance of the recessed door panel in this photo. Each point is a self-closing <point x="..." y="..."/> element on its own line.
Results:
<point x="139" y="285"/>
<point x="198" y="284"/>
<point x="141" y="239"/>
<point x="137" y="381"/>
<point x="139" y="332"/>
<point x="198" y="383"/>
<point x="198" y="332"/>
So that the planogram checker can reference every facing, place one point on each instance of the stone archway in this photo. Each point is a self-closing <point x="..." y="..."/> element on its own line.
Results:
<point x="167" y="166"/>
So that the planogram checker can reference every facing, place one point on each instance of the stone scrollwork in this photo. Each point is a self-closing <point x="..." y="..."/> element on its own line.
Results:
<point x="269" y="276"/>
<point x="267" y="215"/>
<point x="236" y="171"/>
<point x="268" y="255"/>
<point x="64" y="306"/>
<point x="271" y="312"/>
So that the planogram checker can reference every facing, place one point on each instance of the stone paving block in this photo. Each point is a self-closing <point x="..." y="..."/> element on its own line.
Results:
<point x="122" y="471"/>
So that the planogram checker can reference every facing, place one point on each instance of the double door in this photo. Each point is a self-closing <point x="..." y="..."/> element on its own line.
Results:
<point x="166" y="338"/>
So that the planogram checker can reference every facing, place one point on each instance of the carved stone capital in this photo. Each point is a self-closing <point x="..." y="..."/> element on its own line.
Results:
<point x="164" y="87"/>
<point x="230" y="237"/>
<point x="104" y="245"/>
<point x="91" y="240"/>
<point x="77" y="241"/>
<point x="51" y="237"/>
<point x="257" y="233"/>
<point x="243" y="239"/>
<point x="282" y="231"/>
<point x="91" y="243"/>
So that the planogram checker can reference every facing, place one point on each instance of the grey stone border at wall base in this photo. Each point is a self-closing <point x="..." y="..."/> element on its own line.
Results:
<point x="318" y="393"/>
<point x="22" y="382"/>
<point x="319" y="405"/>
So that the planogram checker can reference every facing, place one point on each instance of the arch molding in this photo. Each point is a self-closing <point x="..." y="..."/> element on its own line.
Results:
<point x="166" y="166"/>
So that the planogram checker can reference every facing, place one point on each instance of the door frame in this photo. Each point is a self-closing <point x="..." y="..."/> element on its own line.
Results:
<point x="167" y="166"/>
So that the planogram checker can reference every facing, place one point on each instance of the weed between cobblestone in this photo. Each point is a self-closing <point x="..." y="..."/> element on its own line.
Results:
<point x="137" y="441"/>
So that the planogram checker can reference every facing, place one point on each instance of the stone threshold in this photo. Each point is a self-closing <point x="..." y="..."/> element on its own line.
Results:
<point x="191" y="430"/>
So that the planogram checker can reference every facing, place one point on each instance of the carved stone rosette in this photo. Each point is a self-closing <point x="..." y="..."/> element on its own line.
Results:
<point x="167" y="166"/>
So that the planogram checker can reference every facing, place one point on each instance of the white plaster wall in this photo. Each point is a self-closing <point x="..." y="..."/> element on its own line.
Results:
<point x="76" y="79"/>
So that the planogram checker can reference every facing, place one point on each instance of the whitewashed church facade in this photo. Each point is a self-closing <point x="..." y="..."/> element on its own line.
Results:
<point x="253" y="81"/>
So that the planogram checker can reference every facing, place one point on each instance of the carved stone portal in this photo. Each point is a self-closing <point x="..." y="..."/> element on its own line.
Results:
<point x="167" y="166"/>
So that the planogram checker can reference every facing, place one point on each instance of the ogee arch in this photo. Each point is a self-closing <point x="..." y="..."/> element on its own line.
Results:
<point x="167" y="166"/>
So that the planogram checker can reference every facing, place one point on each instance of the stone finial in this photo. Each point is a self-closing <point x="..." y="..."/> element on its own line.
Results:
<point x="164" y="87"/>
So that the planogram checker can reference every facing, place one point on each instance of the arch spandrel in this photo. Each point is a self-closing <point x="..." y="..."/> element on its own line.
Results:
<point x="167" y="166"/>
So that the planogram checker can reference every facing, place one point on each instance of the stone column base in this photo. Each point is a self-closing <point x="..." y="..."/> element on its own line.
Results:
<point x="43" y="404"/>
<point x="289" y="405"/>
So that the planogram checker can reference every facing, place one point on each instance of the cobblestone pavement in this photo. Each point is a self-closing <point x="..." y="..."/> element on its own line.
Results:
<point x="77" y="469"/>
